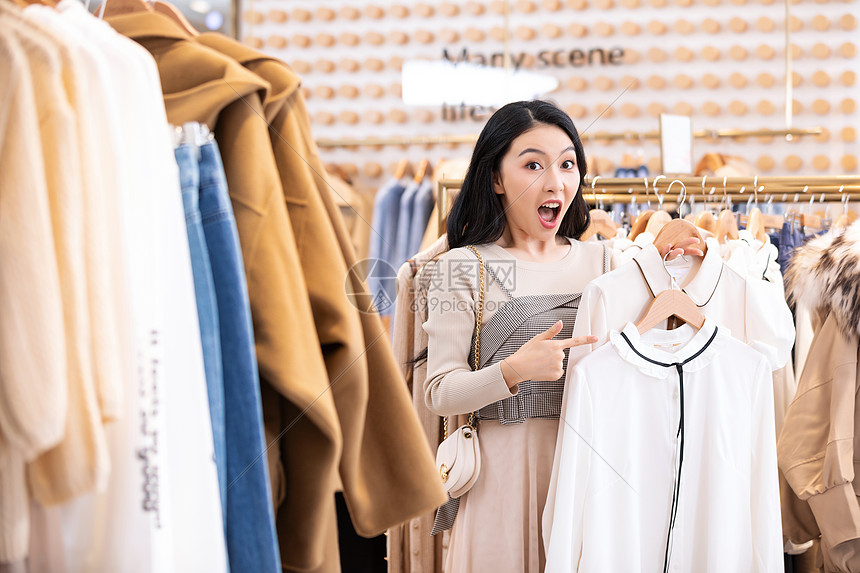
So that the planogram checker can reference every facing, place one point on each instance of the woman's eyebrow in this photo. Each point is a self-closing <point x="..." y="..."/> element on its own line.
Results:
<point x="533" y="150"/>
<point x="530" y="150"/>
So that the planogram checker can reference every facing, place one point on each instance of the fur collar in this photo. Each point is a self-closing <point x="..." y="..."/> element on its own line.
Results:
<point x="825" y="274"/>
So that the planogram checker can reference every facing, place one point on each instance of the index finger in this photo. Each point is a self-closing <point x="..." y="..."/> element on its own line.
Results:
<point x="576" y="341"/>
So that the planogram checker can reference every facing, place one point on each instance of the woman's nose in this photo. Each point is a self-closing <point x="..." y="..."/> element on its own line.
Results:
<point x="552" y="179"/>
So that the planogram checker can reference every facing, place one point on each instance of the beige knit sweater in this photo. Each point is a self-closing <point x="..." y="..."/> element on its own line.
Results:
<point x="451" y="386"/>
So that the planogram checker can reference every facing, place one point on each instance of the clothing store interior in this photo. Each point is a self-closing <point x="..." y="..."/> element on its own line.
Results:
<point x="336" y="338"/>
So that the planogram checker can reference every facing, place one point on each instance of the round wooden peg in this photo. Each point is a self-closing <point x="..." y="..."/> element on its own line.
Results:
<point x="821" y="23"/>
<point x="655" y="109"/>
<point x="710" y="53"/>
<point x="711" y="81"/>
<point x="657" y="55"/>
<point x="301" y="41"/>
<point x="821" y="79"/>
<point x="765" y="163"/>
<point x="821" y="162"/>
<point x="372" y="169"/>
<point x="738" y="25"/>
<point x="765" y="52"/>
<point x="277" y="16"/>
<point x="348" y="39"/>
<point x="349" y="13"/>
<point x="301" y="15"/>
<point x="630" y="29"/>
<point x="323" y="118"/>
<point x="348" y="117"/>
<point x="399" y="11"/>
<point x="449" y="9"/>
<point x="325" y="14"/>
<point x="324" y="92"/>
<point x="793" y="162"/>
<point x="324" y="40"/>
<point x="765" y="107"/>
<point x="737" y="107"/>
<point x="300" y="66"/>
<point x="821" y="51"/>
<point x="765" y="24"/>
<point x="277" y="42"/>
<point x="656" y="27"/>
<point x="711" y="26"/>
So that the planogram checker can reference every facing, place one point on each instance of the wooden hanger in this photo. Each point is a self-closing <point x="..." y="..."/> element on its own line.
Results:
<point x="727" y="226"/>
<point x="669" y="303"/>
<point x="118" y="7"/>
<point x="705" y="220"/>
<point x="676" y="231"/>
<point x="640" y="224"/>
<point x="755" y="224"/>
<point x="174" y="14"/>
<point x="844" y="219"/>
<point x="400" y="170"/>
<point x="810" y="221"/>
<point x="422" y="169"/>
<point x="657" y="221"/>
<point x="600" y="224"/>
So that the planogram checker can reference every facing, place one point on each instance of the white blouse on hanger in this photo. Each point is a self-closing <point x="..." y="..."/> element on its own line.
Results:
<point x="753" y="311"/>
<point x="620" y="458"/>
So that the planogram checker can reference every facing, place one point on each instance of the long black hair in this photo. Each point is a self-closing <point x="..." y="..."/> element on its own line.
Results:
<point x="477" y="216"/>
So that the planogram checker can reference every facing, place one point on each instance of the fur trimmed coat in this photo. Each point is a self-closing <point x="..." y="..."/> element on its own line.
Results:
<point x="819" y="446"/>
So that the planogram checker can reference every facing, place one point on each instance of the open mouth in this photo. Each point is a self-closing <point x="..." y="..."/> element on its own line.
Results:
<point x="549" y="212"/>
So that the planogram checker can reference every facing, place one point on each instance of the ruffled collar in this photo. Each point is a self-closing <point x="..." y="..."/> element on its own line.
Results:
<point x="695" y="349"/>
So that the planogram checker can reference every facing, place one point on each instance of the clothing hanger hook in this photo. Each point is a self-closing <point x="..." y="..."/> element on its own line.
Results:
<point x="673" y="284"/>
<point x="683" y="194"/>
<point x="656" y="193"/>
<point x="593" y="190"/>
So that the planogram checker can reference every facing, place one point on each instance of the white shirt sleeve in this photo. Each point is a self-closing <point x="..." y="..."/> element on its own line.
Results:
<point x="769" y="325"/>
<point x="563" y="538"/>
<point x="764" y="487"/>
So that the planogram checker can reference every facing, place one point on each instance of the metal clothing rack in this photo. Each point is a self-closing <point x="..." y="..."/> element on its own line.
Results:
<point x="672" y="190"/>
<point x="597" y="136"/>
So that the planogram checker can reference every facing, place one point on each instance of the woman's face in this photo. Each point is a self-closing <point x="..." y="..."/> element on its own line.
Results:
<point x="538" y="180"/>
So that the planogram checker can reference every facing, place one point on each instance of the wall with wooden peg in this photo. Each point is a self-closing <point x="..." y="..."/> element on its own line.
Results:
<point x="720" y="61"/>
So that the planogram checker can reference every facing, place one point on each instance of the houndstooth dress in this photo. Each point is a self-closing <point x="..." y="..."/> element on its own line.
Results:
<point x="497" y="526"/>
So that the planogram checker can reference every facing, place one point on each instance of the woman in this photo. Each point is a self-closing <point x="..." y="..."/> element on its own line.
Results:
<point x="521" y="206"/>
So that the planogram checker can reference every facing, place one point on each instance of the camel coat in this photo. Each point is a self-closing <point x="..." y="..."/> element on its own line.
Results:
<point x="387" y="476"/>
<point x="203" y="85"/>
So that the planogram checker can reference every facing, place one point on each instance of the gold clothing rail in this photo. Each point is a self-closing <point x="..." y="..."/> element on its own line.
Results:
<point x="782" y="189"/>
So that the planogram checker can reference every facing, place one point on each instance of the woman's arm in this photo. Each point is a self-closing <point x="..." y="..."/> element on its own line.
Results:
<point x="451" y="386"/>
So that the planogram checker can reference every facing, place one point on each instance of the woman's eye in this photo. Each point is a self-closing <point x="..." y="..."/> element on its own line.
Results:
<point x="533" y="165"/>
<point x="568" y="164"/>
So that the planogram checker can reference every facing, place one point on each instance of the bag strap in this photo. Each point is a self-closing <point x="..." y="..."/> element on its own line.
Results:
<point x="479" y="317"/>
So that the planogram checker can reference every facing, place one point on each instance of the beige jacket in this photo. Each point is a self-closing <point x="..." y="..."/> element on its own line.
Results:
<point x="411" y="548"/>
<point x="819" y="446"/>
<point x="33" y="392"/>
